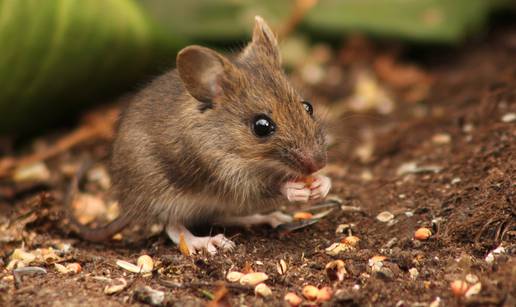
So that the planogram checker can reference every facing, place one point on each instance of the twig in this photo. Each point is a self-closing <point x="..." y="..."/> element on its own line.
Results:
<point x="199" y="284"/>
<point x="300" y="9"/>
<point x="97" y="125"/>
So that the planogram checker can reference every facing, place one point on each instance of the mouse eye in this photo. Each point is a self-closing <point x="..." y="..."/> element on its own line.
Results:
<point x="308" y="107"/>
<point x="263" y="126"/>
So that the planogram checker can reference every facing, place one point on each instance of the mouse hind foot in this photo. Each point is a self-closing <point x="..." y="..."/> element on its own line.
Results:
<point x="195" y="244"/>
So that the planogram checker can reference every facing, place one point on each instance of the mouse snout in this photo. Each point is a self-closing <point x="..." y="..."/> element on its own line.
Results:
<point x="310" y="162"/>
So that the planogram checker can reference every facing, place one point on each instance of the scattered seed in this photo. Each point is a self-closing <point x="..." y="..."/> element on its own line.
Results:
<point x="145" y="263"/>
<point x="385" y="216"/>
<point x="128" y="266"/>
<point x="509" y="117"/>
<point x="30" y="270"/>
<point x="459" y="287"/>
<point x="234" y="276"/>
<point x="325" y="294"/>
<point x="473" y="290"/>
<point x="292" y="299"/>
<point x="414" y="273"/>
<point x="301" y="215"/>
<point x="471" y="278"/>
<point x="262" y="290"/>
<point x="337" y="248"/>
<point x="343" y="228"/>
<point x="413" y="168"/>
<point x="281" y="266"/>
<point x="116" y="288"/>
<point x="455" y="180"/>
<point x="422" y="234"/>
<point x="351" y="240"/>
<point x="309" y="180"/>
<point x="37" y="172"/>
<point x="183" y="247"/>
<point x="252" y="279"/>
<point x="441" y="138"/>
<point x="310" y="292"/>
<point x="335" y="270"/>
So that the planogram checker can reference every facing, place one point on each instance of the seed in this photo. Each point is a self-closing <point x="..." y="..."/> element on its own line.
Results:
<point x="145" y="263"/>
<point x="337" y="248"/>
<point x="351" y="240"/>
<point x="301" y="215"/>
<point x="309" y="181"/>
<point x="310" y="292"/>
<point x="74" y="267"/>
<point x="281" y="266"/>
<point x="459" y="287"/>
<point x="293" y="299"/>
<point x="473" y="290"/>
<point x="128" y="266"/>
<point x="116" y="288"/>
<point x="325" y="294"/>
<point x="335" y="270"/>
<point x="262" y="290"/>
<point x="385" y="216"/>
<point x="422" y="234"/>
<point x="234" y="276"/>
<point x="252" y="279"/>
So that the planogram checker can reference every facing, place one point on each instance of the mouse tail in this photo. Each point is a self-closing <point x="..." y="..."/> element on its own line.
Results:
<point x="99" y="234"/>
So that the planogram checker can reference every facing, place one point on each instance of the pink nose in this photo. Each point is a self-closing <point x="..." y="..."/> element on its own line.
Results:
<point x="309" y="163"/>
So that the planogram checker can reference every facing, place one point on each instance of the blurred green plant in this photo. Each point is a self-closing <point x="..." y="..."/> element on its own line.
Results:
<point x="59" y="55"/>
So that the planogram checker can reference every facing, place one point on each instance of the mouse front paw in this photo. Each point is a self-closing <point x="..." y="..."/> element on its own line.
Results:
<point x="320" y="187"/>
<point x="295" y="191"/>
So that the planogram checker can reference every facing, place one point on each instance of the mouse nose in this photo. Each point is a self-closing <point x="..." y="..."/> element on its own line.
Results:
<point x="310" y="163"/>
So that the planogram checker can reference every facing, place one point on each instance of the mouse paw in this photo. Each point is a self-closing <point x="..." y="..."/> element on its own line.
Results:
<point x="196" y="244"/>
<point x="320" y="187"/>
<point x="295" y="191"/>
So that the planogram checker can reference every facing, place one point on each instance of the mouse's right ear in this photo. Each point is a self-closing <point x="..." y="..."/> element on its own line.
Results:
<point x="204" y="72"/>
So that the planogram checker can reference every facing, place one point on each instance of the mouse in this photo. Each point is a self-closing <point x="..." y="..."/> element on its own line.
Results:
<point x="219" y="139"/>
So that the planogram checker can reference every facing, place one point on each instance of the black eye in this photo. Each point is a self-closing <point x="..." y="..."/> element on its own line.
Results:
<point x="263" y="126"/>
<point x="308" y="107"/>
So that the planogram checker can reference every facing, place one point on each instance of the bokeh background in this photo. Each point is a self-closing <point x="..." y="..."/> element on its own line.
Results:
<point x="59" y="56"/>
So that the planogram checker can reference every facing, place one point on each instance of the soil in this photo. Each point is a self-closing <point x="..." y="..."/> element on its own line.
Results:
<point x="463" y="191"/>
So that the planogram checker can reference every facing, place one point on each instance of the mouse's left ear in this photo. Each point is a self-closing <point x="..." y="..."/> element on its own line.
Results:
<point x="264" y="44"/>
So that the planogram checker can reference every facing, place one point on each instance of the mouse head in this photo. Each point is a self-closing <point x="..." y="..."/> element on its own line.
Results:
<point x="248" y="108"/>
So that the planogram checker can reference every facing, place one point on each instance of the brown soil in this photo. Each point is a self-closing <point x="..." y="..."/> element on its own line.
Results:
<point x="470" y="203"/>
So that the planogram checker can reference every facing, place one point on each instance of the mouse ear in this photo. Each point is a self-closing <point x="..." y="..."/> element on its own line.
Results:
<point x="264" y="43"/>
<point x="204" y="72"/>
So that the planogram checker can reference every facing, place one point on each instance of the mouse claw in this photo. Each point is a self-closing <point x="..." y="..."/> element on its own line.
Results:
<point x="320" y="187"/>
<point x="295" y="191"/>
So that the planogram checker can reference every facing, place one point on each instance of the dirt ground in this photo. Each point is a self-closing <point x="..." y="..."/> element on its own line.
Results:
<point x="424" y="134"/>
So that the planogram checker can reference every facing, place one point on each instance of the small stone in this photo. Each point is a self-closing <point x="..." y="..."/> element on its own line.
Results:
<point x="262" y="290"/>
<point x="385" y="216"/>
<point x="252" y="279"/>
<point x="292" y="299"/>
<point x="509" y="117"/>
<point x="234" y="276"/>
<point x="149" y="296"/>
<point x="310" y="292"/>
<point x="384" y="273"/>
<point x="414" y="273"/>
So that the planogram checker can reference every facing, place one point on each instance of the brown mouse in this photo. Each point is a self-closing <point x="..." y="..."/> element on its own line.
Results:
<point x="217" y="140"/>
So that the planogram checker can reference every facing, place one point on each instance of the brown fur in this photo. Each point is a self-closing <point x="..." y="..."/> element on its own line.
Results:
<point x="185" y="150"/>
